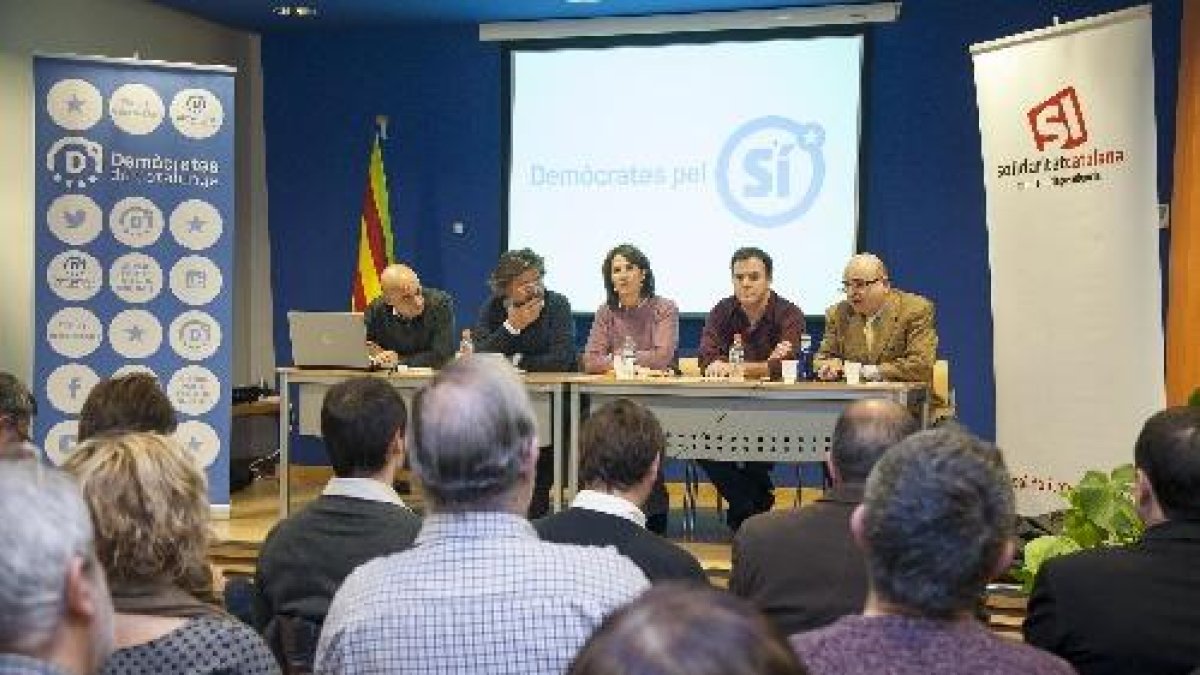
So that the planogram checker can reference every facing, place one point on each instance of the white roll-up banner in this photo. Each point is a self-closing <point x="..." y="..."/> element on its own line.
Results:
<point x="1066" y="116"/>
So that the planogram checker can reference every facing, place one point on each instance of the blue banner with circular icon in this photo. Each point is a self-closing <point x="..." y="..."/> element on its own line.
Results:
<point x="134" y="245"/>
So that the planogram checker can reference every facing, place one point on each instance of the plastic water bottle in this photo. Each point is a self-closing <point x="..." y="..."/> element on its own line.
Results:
<point x="628" y="358"/>
<point x="466" y="346"/>
<point x="805" y="357"/>
<point x="737" y="358"/>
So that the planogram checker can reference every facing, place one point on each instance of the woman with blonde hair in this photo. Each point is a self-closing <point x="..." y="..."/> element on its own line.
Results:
<point x="148" y="502"/>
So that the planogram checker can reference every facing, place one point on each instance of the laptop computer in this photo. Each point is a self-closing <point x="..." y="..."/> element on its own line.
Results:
<point x="328" y="340"/>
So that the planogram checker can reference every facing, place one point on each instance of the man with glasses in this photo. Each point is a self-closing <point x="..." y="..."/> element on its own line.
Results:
<point x="17" y="408"/>
<point x="407" y="324"/>
<point x="889" y="331"/>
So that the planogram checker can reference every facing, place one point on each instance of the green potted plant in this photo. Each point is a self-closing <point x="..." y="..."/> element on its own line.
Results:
<point x="1100" y="512"/>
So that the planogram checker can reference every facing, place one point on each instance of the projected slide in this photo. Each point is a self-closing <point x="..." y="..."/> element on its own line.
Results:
<point x="688" y="152"/>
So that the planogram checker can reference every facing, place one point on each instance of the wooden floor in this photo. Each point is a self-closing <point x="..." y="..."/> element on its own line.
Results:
<point x="255" y="510"/>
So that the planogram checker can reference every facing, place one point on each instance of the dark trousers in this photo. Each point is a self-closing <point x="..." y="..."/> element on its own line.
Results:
<point x="657" y="505"/>
<point x="746" y="486"/>
<point x="543" y="478"/>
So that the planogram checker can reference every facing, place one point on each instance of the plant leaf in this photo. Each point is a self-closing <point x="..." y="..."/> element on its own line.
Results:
<point x="1124" y="475"/>
<point x="1081" y="529"/>
<point x="1042" y="549"/>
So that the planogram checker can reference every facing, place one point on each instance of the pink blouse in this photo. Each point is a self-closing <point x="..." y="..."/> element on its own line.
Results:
<point x="654" y="326"/>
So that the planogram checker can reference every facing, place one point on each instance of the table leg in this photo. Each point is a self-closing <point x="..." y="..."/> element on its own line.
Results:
<point x="285" y="455"/>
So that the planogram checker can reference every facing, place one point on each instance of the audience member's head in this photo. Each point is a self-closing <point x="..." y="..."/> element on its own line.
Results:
<point x="1167" y="457"/>
<point x="133" y="402"/>
<point x="149" y="504"/>
<point x="686" y="630"/>
<point x="363" y="421"/>
<point x="472" y="442"/>
<point x="620" y="447"/>
<point x="864" y="431"/>
<point x="518" y="275"/>
<point x="54" y="603"/>
<point x="17" y="408"/>
<point x="936" y="523"/>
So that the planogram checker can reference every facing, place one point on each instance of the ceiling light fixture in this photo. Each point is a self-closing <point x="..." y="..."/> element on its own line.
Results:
<point x="299" y="11"/>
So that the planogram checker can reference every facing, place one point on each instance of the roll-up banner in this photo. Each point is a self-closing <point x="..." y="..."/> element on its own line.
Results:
<point x="1066" y="116"/>
<point x="135" y="215"/>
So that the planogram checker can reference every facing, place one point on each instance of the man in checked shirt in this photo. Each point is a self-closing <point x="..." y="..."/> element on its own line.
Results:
<point x="478" y="592"/>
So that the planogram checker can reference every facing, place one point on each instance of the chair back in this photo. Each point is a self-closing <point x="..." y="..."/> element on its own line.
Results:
<point x="942" y="395"/>
<point x="295" y="643"/>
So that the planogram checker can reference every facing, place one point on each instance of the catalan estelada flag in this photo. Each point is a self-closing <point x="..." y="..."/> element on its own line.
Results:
<point x="374" y="234"/>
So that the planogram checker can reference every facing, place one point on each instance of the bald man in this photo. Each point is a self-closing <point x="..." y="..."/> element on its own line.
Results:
<point x="801" y="567"/>
<point x="889" y="331"/>
<point x="407" y="324"/>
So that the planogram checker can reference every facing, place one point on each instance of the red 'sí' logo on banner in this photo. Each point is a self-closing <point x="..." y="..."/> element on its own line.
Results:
<point x="1058" y="120"/>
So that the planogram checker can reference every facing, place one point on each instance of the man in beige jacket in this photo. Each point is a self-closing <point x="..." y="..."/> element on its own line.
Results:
<point x="889" y="331"/>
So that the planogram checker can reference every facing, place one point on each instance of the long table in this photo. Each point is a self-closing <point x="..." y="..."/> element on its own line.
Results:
<point x="703" y="418"/>
<point x="546" y="390"/>
<point x="750" y="421"/>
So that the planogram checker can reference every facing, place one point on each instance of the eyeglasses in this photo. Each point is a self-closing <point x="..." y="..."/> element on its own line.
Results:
<point x="410" y="299"/>
<point x="859" y="284"/>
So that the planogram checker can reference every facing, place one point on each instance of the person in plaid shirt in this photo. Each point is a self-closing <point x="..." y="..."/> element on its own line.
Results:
<point x="479" y="592"/>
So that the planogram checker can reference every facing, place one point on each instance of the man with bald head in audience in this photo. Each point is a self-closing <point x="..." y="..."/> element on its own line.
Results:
<point x="56" y="615"/>
<point x="408" y="324"/>
<point x="889" y="331"/>
<point x="802" y="567"/>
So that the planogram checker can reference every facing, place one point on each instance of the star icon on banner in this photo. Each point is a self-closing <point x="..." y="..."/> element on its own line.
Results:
<point x="75" y="104"/>
<point x="196" y="224"/>
<point x="813" y="137"/>
<point x="135" y="333"/>
<point x="194" y="445"/>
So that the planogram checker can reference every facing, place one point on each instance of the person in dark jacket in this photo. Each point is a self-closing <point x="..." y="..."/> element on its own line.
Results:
<point x="801" y="567"/>
<point x="357" y="518"/>
<point x="621" y="446"/>
<point x="532" y="327"/>
<point x="1136" y="608"/>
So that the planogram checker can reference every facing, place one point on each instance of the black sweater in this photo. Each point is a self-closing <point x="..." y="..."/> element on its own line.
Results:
<point x="547" y="345"/>
<point x="306" y="557"/>
<point x="659" y="559"/>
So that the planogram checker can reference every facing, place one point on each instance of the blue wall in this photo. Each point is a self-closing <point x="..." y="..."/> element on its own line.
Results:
<point x="922" y="189"/>
<point x="440" y="88"/>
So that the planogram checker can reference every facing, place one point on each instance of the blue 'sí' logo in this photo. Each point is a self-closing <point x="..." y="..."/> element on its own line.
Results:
<point x="771" y="170"/>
